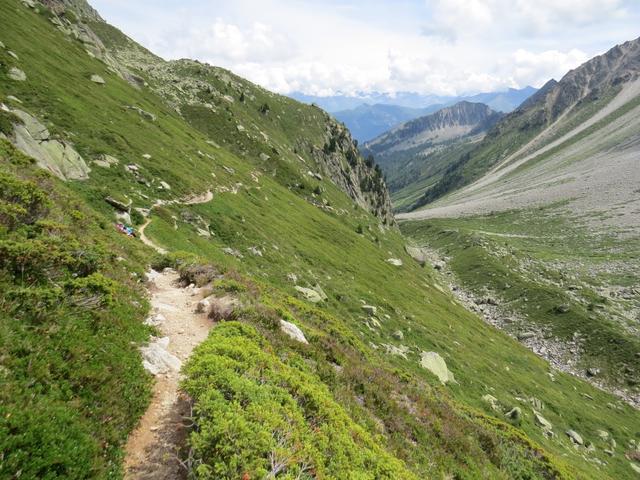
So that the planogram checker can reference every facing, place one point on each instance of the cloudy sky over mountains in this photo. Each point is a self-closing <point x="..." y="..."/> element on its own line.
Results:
<point x="322" y="47"/>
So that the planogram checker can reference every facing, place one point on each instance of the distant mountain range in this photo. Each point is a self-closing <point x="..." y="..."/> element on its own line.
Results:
<point x="370" y="115"/>
<point x="415" y="154"/>
<point x="368" y="121"/>
<point x="577" y="137"/>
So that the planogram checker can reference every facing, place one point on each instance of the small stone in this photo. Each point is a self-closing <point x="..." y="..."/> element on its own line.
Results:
<point x="370" y="309"/>
<point x="309" y="294"/>
<point x="292" y="277"/>
<point x="398" y="335"/>
<point x="12" y="54"/>
<point x="526" y="335"/>
<point x="543" y="422"/>
<point x="264" y="157"/>
<point x="2" y="45"/>
<point x="105" y="161"/>
<point x="396" y="262"/>
<point x="603" y="435"/>
<point x="592" y="372"/>
<point x="97" y="79"/>
<point x="635" y="467"/>
<point x="165" y="185"/>
<point x="492" y="401"/>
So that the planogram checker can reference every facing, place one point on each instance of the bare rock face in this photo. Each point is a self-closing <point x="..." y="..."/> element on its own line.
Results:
<point x="57" y="156"/>
<point x="359" y="179"/>
<point x="619" y="65"/>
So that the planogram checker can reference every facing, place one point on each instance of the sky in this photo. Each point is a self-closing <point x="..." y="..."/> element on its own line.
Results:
<point x="442" y="47"/>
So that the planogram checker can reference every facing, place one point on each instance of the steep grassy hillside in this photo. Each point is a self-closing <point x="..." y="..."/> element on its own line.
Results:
<point x="72" y="307"/>
<point x="361" y="397"/>
<point x="552" y="276"/>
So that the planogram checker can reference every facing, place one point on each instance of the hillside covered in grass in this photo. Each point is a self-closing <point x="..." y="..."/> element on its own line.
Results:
<point x="274" y="196"/>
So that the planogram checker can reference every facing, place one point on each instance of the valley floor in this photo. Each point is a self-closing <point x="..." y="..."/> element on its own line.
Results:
<point x="564" y="291"/>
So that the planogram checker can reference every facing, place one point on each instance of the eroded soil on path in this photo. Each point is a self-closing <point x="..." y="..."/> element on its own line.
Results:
<point x="154" y="448"/>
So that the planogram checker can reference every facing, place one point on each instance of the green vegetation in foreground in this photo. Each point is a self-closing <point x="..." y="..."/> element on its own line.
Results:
<point x="72" y="385"/>
<point x="537" y="261"/>
<point x="282" y="212"/>
<point x="335" y="407"/>
<point x="277" y="420"/>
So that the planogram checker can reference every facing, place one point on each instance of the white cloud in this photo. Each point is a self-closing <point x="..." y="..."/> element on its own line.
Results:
<point x="224" y="42"/>
<point x="455" y="19"/>
<point x="536" y="68"/>
<point x="324" y="47"/>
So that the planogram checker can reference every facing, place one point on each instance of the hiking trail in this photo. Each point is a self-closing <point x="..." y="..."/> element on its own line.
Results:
<point x="153" y="450"/>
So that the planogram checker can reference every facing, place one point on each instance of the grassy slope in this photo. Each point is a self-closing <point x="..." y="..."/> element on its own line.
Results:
<point x="409" y="180"/>
<point x="72" y="382"/>
<point x="321" y="248"/>
<point x="546" y="261"/>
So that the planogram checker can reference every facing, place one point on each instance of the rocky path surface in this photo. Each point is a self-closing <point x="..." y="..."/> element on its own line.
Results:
<point x="153" y="451"/>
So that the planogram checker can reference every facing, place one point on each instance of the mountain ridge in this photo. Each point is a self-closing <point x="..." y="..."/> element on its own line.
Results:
<point x="336" y="350"/>
<point x="595" y="82"/>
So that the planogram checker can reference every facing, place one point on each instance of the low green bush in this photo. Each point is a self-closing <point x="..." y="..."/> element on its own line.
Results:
<point x="257" y="417"/>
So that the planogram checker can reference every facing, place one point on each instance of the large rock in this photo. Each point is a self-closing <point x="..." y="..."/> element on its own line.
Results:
<point x="575" y="437"/>
<point x="156" y="359"/>
<point x="433" y="362"/>
<point x="309" y="294"/>
<point x="57" y="156"/>
<point x="293" y="331"/>
<point x="17" y="74"/>
<point x="542" y="422"/>
<point x="123" y="207"/>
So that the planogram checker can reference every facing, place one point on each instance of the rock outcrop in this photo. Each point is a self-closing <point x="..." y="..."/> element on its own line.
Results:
<point x="57" y="156"/>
